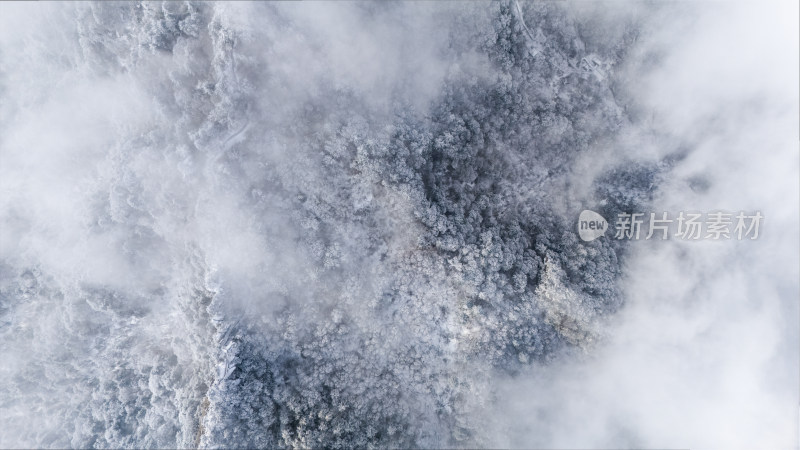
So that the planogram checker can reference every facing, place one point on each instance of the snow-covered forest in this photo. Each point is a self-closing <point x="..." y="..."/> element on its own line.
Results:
<point x="353" y="225"/>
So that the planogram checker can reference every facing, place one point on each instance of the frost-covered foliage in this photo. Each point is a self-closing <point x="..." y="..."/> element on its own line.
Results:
<point x="276" y="235"/>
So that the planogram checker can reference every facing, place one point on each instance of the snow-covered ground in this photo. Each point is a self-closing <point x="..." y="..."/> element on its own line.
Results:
<point x="337" y="224"/>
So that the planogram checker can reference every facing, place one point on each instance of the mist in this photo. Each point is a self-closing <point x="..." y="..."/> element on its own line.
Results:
<point x="351" y="224"/>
